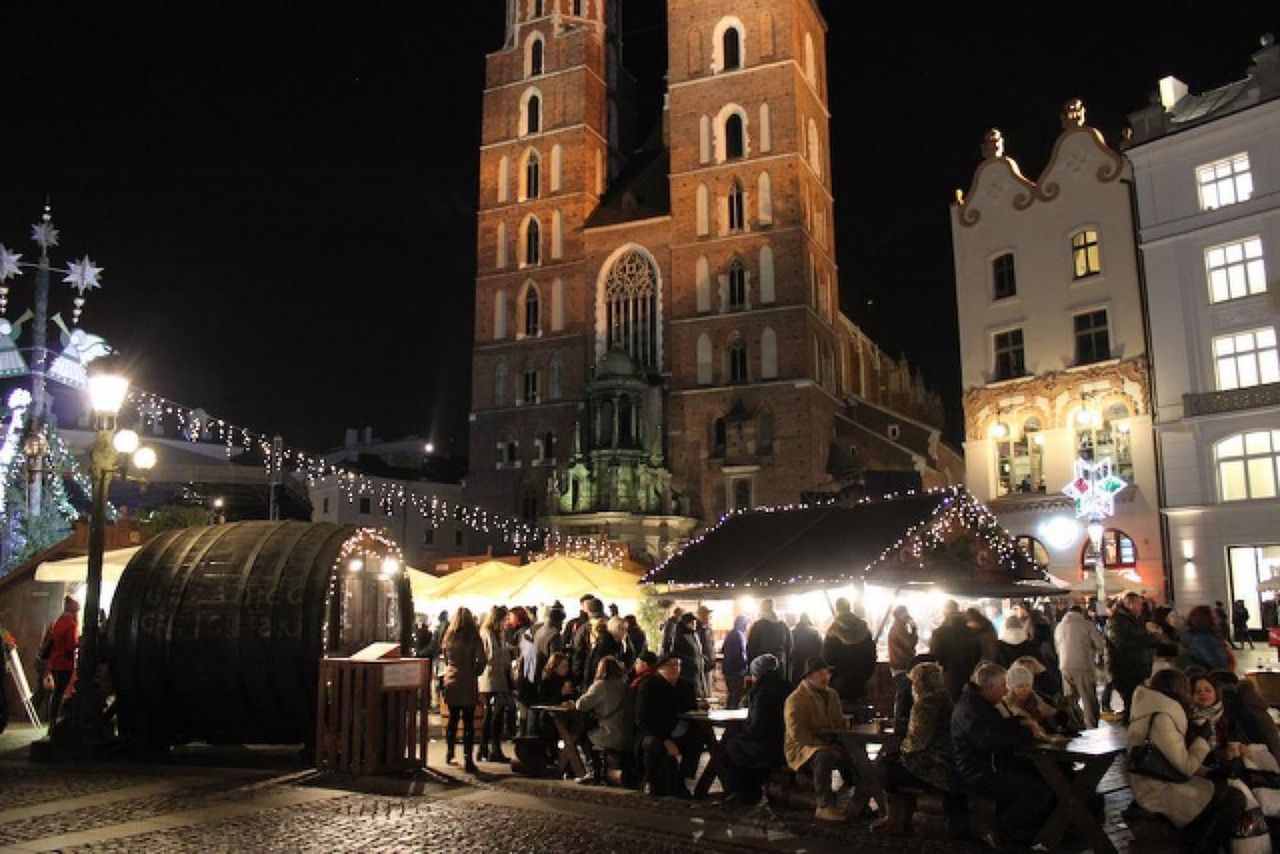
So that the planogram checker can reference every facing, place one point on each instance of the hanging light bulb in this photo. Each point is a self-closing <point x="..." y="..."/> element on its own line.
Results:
<point x="999" y="430"/>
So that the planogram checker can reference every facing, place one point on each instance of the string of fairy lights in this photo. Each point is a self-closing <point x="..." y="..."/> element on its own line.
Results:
<point x="956" y="510"/>
<point x="158" y="413"/>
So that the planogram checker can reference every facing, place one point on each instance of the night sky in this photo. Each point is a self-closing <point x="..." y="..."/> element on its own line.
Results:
<point x="283" y="194"/>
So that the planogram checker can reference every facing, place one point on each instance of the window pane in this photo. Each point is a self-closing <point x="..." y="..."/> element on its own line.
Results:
<point x="1095" y="262"/>
<point x="1247" y="367"/>
<point x="1235" y="253"/>
<point x="1257" y="443"/>
<point x="1266" y="337"/>
<point x="1262" y="478"/>
<point x="1224" y="346"/>
<point x="1231" y="447"/>
<point x="1236" y="276"/>
<point x="1227" y="379"/>
<point x="1268" y="367"/>
<point x="1244" y="186"/>
<point x="1253" y="247"/>
<point x="1231" y="479"/>
<point x="1257" y="277"/>
<point x="1216" y="257"/>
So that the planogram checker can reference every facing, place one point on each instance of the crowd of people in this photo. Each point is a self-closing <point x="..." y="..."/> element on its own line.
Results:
<point x="968" y="699"/>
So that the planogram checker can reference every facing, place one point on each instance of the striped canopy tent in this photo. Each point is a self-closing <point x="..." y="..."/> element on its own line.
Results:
<point x="943" y="539"/>
<point x="558" y="577"/>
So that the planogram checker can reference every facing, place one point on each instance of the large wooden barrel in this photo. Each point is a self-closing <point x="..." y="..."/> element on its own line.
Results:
<point x="216" y="633"/>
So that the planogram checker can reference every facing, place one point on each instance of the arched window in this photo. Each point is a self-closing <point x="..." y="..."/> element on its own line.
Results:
<point x="537" y="55"/>
<point x="631" y="307"/>
<point x="504" y="178"/>
<point x="702" y="280"/>
<point x="532" y="176"/>
<point x="1034" y="549"/>
<point x="737" y="208"/>
<point x="705" y="359"/>
<point x="531" y="112"/>
<point x="1117" y="551"/>
<point x="500" y="382"/>
<point x="557" y="155"/>
<point x="764" y="432"/>
<point x="735" y="145"/>
<point x="532" y="243"/>
<point x="766" y="128"/>
<point x="766" y="275"/>
<point x="810" y="60"/>
<point x="538" y="10"/>
<point x="557" y="234"/>
<point x="737" y="284"/>
<point x="732" y="49"/>
<point x="500" y="249"/>
<point x="719" y="437"/>
<point x="704" y="139"/>
<point x="764" y="191"/>
<point x="532" y="318"/>
<point x="1248" y="465"/>
<point x="768" y="354"/>
<point x="703" y="215"/>
<point x="737" y="361"/>
<point x="557" y="305"/>
<point x="531" y="390"/>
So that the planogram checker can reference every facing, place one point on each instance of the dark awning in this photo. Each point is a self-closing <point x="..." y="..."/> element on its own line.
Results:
<point x="943" y="538"/>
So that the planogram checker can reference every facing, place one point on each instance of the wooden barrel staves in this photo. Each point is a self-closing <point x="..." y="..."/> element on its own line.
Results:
<point x="216" y="633"/>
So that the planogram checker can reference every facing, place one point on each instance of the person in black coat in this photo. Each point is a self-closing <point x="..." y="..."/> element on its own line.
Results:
<point x="669" y="747"/>
<point x="636" y="638"/>
<point x="958" y="650"/>
<point x="984" y="743"/>
<point x="687" y="646"/>
<point x="851" y="652"/>
<point x="756" y="748"/>
<point x="806" y="643"/>
<point x="1015" y="643"/>
<point x="768" y="634"/>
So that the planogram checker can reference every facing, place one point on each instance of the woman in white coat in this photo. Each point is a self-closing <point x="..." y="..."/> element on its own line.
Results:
<point x="1207" y="814"/>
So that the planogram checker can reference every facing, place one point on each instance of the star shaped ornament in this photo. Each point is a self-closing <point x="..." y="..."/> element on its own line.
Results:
<point x="1094" y="487"/>
<point x="44" y="234"/>
<point x="82" y="275"/>
<point x="9" y="263"/>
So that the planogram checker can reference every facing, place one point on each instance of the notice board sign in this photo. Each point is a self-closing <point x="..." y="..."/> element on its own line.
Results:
<point x="405" y="675"/>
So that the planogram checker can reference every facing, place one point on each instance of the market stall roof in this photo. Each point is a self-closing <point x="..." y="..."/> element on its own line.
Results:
<point x="556" y="577"/>
<point x="76" y="569"/>
<point x="944" y="539"/>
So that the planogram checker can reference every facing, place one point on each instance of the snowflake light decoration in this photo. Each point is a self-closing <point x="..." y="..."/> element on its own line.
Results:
<point x="44" y="234"/>
<point x="1094" y="488"/>
<point x="82" y="275"/>
<point x="9" y="263"/>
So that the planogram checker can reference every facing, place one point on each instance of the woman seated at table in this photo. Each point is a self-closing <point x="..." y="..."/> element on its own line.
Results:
<point x="755" y="749"/>
<point x="1239" y="748"/>
<point x="924" y="759"/>
<point x="609" y="703"/>
<point x="1242" y="699"/>
<point x="1207" y="812"/>
<point x="556" y="687"/>
<point x="1023" y="699"/>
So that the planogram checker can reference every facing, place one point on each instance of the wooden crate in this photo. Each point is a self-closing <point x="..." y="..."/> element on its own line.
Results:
<point x="372" y="716"/>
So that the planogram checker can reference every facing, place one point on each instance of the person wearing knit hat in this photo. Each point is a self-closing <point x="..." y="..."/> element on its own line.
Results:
<point x="1022" y="698"/>
<point x="755" y="749"/>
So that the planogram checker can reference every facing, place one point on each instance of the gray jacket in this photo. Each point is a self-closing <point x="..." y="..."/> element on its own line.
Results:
<point x="496" y="678"/>
<point x="610" y="703"/>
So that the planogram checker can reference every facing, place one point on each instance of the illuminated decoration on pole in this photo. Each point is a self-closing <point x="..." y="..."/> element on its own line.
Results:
<point x="1094" y="488"/>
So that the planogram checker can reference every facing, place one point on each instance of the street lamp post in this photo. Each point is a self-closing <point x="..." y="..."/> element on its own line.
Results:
<point x="83" y="725"/>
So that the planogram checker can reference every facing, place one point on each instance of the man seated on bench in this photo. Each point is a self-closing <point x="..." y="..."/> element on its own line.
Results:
<point x="669" y="747"/>
<point x="924" y="759"/>
<point x="812" y="709"/>
<point x="756" y="749"/>
<point x="984" y="742"/>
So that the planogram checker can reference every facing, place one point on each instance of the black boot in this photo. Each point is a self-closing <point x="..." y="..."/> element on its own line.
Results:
<point x="495" y="752"/>
<point x="448" y="755"/>
<point x="469" y="764"/>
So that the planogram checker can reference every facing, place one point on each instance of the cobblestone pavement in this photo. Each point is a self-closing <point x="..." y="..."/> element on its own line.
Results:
<point x="200" y="808"/>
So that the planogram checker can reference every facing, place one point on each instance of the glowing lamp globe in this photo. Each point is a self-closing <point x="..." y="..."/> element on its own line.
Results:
<point x="125" y="442"/>
<point x="144" y="458"/>
<point x="107" y="393"/>
<point x="390" y="566"/>
<point x="999" y="430"/>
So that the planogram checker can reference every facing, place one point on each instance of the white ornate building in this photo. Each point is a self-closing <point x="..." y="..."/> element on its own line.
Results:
<point x="1207" y="175"/>
<point x="1053" y="358"/>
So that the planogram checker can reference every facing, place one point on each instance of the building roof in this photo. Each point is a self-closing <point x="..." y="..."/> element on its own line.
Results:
<point x="641" y="191"/>
<point x="942" y="537"/>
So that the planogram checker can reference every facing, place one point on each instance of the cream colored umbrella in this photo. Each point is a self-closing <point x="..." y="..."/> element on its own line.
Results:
<point x="445" y="586"/>
<point x="555" y="578"/>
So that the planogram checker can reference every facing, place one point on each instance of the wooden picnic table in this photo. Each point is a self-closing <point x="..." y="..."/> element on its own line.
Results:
<point x="571" y="724"/>
<point x="1072" y="770"/>
<point x="855" y="739"/>
<point x="726" y="720"/>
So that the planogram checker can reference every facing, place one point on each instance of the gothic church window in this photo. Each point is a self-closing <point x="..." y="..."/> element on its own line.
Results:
<point x="766" y="129"/>
<point x="531" y="390"/>
<point x="532" y="243"/>
<point x="737" y="208"/>
<point x="735" y="144"/>
<point x="732" y="49"/>
<point x="727" y="45"/>
<point x="532" y="321"/>
<point x="631" y="307"/>
<point x="532" y="176"/>
<point x="500" y="253"/>
<point x="531" y="112"/>
<point x="577" y="7"/>
<point x="738" y="361"/>
<point x="536" y="56"/>
<point x="737" y="285"/>
<point x="538" y="10"/>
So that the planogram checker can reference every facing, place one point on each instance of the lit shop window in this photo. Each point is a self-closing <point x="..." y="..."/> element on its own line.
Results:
<point x="1106" y="434"/>
<point x="1019" y="458"/>
<point x="1247" y="464"/>
<point x="1118" y="551"/>
<point x="1034" y="549"/>
<point x="1246" y="359"/>
<point x="1225" y="182"/>
<point x="1236" y="270"/>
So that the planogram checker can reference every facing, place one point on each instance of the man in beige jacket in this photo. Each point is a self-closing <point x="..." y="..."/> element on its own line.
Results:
<point x="812" y="709"/>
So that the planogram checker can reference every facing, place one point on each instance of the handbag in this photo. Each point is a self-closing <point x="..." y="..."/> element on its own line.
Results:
<point x="1251" y="835"/>
<point x="1146" y="760"/>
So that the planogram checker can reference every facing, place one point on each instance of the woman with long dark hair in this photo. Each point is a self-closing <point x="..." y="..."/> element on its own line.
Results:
<point x="495" y="684"/>
<point x="464" y="659"/>
<point x="1206" y="813"/>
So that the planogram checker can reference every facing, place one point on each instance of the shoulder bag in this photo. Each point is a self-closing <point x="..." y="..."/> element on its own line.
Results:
<point x="1147" y="761"/>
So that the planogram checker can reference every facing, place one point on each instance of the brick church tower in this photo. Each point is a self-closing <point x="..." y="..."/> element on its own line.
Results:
<point x="658" y="337"/>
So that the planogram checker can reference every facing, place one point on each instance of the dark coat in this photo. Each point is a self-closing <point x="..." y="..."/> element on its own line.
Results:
<point x="1130" y="647"/>
<point x="758" y="744"/>
<point x="688" y="648"/>
<point x="806" y="643"/>
<point x="637" y="640"/>
<point x="551" y="690"/>
<point x="734" y="650"/>
<point x="1009" y="653"/>
<point x="580" y="652"/>
<point x="1207" y="649"/>
<point x="464" y="660"/>
<point x="958" y="651"/>
<point x="771" y="635"/>
<point x="851" y="652"/>
<point x="606" y="646"/>
<point x="659" y="705"/>
<point x="982" y="739"/>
